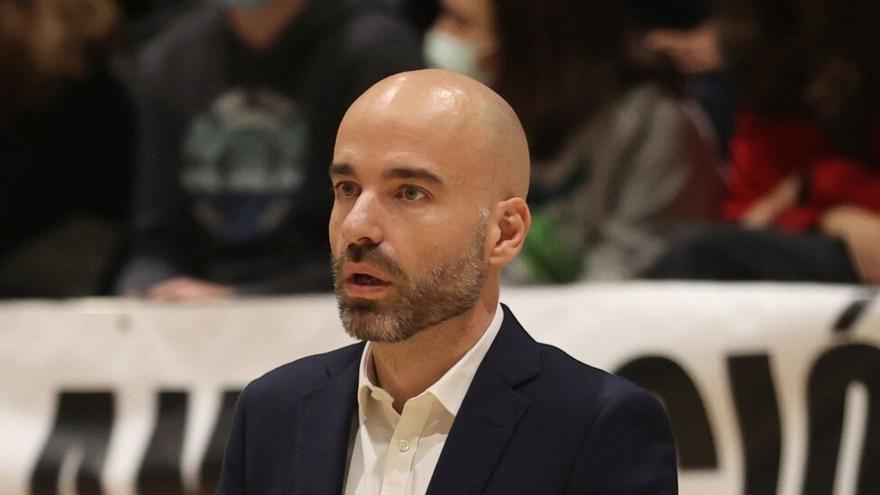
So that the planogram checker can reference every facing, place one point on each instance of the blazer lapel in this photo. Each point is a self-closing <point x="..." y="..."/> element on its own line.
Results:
<point x="323" y="432"/>
<point x="489" y="414"/>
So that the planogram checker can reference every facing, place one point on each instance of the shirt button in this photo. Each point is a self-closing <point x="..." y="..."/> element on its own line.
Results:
<point x="403" y="445"/>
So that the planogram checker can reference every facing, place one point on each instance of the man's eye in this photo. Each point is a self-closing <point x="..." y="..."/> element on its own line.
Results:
<point x="412" y="193"/>
<point x="346" y="189"/>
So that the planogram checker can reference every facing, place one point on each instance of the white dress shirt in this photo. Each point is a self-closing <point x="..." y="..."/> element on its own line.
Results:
<point x="395" y="454"/>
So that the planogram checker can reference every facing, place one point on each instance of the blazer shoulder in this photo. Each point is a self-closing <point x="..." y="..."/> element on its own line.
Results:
<point x="306" y="373"/>
<point x="625" y="442"/>
<point x="572" y="381"/>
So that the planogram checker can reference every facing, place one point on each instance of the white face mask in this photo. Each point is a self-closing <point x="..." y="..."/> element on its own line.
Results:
<point x="444" y="51"/>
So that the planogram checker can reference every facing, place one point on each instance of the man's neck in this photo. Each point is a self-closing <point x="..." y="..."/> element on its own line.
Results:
<point x="406" y="369"/>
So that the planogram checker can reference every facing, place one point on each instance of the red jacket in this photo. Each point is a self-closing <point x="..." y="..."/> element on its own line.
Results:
<point x="764" y="151"/>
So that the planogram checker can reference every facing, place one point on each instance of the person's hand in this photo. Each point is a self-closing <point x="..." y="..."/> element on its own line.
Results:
<point x="784" y="196"/>
<point x="859" y="229"/>
<point x="695" y="51"/>
<point x="188" y="289"/>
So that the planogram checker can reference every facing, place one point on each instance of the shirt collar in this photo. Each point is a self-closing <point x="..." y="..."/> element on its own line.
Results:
<point x="450" y="389"/>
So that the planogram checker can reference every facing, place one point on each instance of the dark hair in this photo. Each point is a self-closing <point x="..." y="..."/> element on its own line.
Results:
<point x="671" y="14"/>
<point x="560" y="61"/>
<point x="817" y="59"/>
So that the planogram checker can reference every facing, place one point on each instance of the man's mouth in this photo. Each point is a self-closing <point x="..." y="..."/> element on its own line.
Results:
<point x="365" y="279"/>
<point x="365" y="285"/>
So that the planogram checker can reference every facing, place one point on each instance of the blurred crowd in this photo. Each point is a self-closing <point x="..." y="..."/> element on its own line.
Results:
<point x="178" y="150"/>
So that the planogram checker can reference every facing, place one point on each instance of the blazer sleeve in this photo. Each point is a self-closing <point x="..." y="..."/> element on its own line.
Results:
<point x="233" y="473"/>
<point x="629" y="450"/>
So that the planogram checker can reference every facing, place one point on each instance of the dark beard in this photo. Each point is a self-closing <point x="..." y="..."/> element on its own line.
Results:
<point x="447" y="291"/>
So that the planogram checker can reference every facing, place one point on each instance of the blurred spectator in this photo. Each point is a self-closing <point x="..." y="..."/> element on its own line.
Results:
<point x="147" y="18"/>
<point x="804" y="187"/>
<point x="239" y="104"/>
<point x="65" y="149"/>
<point x="617" y="161"/>
<point x="421" y="13"/>
<point x="688" y="32"/>
<point x="683" y="29"/>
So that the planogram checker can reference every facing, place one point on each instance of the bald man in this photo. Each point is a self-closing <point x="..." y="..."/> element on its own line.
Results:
<point x="446" y="393"/>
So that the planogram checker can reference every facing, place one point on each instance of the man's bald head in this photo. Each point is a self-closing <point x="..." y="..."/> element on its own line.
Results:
<point x="479" y="130"/>
<point x="430" y="173"/>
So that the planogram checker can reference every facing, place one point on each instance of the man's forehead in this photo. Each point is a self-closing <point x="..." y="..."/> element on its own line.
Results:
<point x="390" y="172"/>
<point x="393" y="131"/>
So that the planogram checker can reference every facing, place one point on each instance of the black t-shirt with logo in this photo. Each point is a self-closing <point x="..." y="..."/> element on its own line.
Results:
<point x="235" y="145"/>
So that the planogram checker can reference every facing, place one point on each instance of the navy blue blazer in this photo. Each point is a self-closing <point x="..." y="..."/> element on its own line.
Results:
<point x="534" y="421"/>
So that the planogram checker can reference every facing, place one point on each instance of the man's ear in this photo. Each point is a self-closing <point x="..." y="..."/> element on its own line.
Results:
<point x="512" y="222"/>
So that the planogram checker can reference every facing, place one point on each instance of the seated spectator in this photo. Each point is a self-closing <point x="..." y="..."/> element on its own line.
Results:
<point x="239" y="104"/>
<point x="617" y="163"/>
<point x="804" y="187"/>
<point x="66" y="140"/>
<point x="689" y="34"/>
<point x="147" y="18"/>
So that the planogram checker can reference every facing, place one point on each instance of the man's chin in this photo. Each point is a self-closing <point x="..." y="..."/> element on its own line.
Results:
<point x="365" y="319"/>
<point x="360" y="306"/>
<point x="373" y="327"/>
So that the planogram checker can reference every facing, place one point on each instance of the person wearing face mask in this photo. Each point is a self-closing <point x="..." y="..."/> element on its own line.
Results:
<point x="238" y="104"/>
<point x="462" y="40"/>
<point x="620" y="160"/>
<point x="803" y="201"/>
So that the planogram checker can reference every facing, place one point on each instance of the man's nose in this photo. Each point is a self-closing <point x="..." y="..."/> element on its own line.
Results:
<point x="364" y="221"/>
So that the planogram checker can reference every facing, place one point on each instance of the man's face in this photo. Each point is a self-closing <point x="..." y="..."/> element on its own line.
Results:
<point x="407" y="230"/>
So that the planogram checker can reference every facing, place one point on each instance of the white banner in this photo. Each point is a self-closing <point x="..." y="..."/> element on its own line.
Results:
<point x="771" y="388"/>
